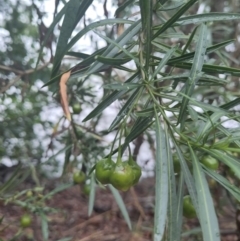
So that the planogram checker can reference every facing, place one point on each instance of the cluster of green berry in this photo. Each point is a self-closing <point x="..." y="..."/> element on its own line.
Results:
<point x="122" y="175"/>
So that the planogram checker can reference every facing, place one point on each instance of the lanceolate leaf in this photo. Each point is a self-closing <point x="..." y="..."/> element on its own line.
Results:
<point x="161" y="187"/>
<point x="187" y="177"/>
<point x="170" y="5"/>
<point x="125" y="4"/>
<point x="92" y="195"/>
<point x="141" y="124"/>
<point x="208" y="50"/>
<point x="179" y="210"/>
<point x="208" y="17"/>
<point x="50" y="29"/>
<point x="126" y="108"/>
<point x="109" y="99"/>
<point x="189" y="40"/>
<point x="145" y="112"/>
<point x="230" y="161"/>
<point x="66" y="31"/>
<point x="123" y="86"/>
<point x="94" y="25"/>
<point x="209" y="68"/>
<point x="228" y="134"/>
<point x="235" y="191"/>
<point x="112" y="61"/>
<point x="185" y="57"/>
<point x="164" y="60"/>
<point x="113" y="49"/>
<point x="210" y="124"/>
<point x="195" y="71"/>
<point x="174" y="18"/>
<point x="172" y="233"/>
<point x="121" y="205"/>
<point x="130" y="55"/>
<point x="44" y="225"/>
<point x="207" y="214"/>
<point x="231" y="104"/>
<point x="146" y="36"/>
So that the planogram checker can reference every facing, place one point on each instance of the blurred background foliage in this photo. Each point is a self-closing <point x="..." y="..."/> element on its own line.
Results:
<point x="38" y="143"/>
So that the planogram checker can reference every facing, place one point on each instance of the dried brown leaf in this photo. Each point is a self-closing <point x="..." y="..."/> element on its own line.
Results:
<point x="63" y="94"/>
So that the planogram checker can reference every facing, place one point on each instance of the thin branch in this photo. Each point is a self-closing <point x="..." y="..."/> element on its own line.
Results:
<point x="20" y="74"/>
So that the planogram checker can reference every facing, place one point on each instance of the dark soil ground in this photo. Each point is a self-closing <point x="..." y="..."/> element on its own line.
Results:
<point x="72" y="223"/>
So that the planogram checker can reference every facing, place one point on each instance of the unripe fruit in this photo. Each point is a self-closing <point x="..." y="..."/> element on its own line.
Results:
<point x="76" y="108"/>
<point x="188" y="208"/>
<point x="79" y="177"/>
<point x="25" y="221"/>
<point x="210" y="162"/>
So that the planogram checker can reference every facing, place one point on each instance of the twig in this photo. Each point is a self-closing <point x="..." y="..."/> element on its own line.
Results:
<point x="136" y="203"/>
<point x="92" y="236"/>
<point x="26" y="72"/>
<point x="20" y="74"/>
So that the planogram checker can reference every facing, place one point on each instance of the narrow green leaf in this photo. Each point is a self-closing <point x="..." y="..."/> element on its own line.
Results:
<point x="138" y="128"/>
<point x="123" y="86"/>
<point x="208" y="17"/>
<point x="121" y="205"/>
<point x="228" y="134"/>
<point x="66" y="31"/>
<point x="231" y="104"/>
<point x="50" y="29"/>
<point x="204" y="106"/>
<point x="112" y="61"/>
<point x="188" y="178"/>
<point x="123" y="6"/>
<point x="126" y="108"/>
<point x="162" y="1"/>
<point x="189" y="40"/>
<point x="193" y="113"/>
<point x="59" y="152"/>
<point x="146" y="36"/>
<point x="77" y="55"/>
<point x="230" y="161"/>
<point x="161" y="188"/>
<point x="11" y="180"/>
<point x="94" y="25"/>
<point x="207" y="214"/>
<point x="172" y="195"/>
<point x="174" y="18"/>
<point x="210" y="49"/>
<point x="209" y="125"/>
<point x="131" y="56"/>
<point x="44" y="225"/>
<point x="170" y="5"/>
<point x="91" y="195"/>
<point x="58" y="189"/>
<point x="209" y="68"/>
<point x="162" y="46"/>
<point x="180" y="57"/>
<point x="90" y="58"/>
<point x="82" y="10"/>
<point x="110" y="99"/>
<point x="235" y="191"/>
<point x="195" y="71"/>
<point x="112" y="49"/>
<point x="68" y="153"/>
<point x="146" y="112"/>
<point x="192" y="231"/>
<point x="179" y="209"/>
<point x="177" y="35"/>
<point x="164" y="60"/>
